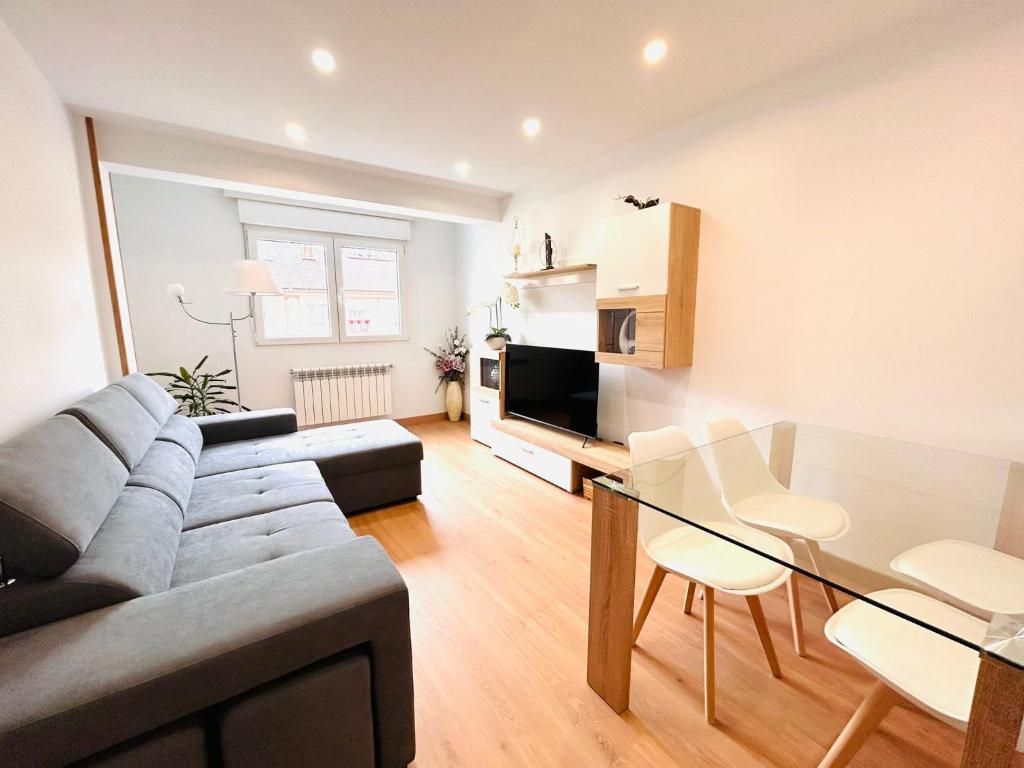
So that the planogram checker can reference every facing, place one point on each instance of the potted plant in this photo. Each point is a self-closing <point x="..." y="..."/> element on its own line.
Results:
<point x="200" y="394"/>
<point x="498" y="336"/>
<point x="450" y="361"/>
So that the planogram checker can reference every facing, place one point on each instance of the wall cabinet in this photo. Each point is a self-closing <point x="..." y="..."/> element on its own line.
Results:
<point x="647" y="287"/>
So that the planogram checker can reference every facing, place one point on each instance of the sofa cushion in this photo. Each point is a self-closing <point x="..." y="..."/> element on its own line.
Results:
<point x="57" y="485"/>
<point x="151" y="396"/>
<point x="119" y="420"/>
<point x="185" y="432"/>
<point x="340" y="450"/>
<point x="132" y="554"/>
<point x="249" y="492"/>
<point x="236" y="544"/>
<point x="168" y="468"/>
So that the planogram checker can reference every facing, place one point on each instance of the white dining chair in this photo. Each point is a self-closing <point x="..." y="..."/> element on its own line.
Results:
<point x="757" y="498"/>
<point x="912" y="664"/>
<point x="679" y="481"/>
<point x="977" y="576"/>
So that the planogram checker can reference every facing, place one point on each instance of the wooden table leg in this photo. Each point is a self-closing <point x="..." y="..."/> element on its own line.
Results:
<point x="612" y="581"/>
<point x="996" y="714"/>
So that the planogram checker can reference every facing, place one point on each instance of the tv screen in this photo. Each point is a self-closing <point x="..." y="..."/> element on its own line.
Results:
<point x="557" y="387"/>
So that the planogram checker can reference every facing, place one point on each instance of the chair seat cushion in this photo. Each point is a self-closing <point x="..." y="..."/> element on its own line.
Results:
<point x="805" y="516"/>
<point x="706" y="558"/>
<point x="236" y="544"/>
<point x="983" y="577"/>
<point x="249" y="492"/>
<point x="341" y="450"/>
<point x="937" y="673"/>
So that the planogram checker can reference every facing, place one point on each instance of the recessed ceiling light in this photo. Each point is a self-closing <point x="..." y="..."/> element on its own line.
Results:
<point x="531" y="126"/>
<point x="323" y="60"/>
<point x="655" y="51"/>
<point x="462" y="168"/>
<point x="295" y="132"/>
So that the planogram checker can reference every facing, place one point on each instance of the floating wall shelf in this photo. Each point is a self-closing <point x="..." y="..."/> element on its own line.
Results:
<point x="572" y="269"/>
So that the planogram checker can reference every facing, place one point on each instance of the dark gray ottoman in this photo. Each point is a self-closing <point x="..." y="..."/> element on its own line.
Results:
<point x="365" y="464"/>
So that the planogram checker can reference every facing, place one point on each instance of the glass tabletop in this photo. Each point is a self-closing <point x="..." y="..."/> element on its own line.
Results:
<point x="887" y="522"/>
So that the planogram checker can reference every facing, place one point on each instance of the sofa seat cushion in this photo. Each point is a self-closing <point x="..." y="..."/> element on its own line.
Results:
<point x="183" y="431"/>
<point x="167" y="468"/>
<point x="57" y="485"/>
<point x="345" y="449"/>
<point x="249" y="492"/>
<point x="132" y="554"/>
<point x="236" y="544"/>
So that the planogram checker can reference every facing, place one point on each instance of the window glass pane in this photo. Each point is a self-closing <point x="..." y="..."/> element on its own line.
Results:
<point x="300" y="268"/>
<point x="369" y="279"/>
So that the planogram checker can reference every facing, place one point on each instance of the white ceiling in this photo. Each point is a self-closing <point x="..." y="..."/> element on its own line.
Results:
<point x="421" y="84"/>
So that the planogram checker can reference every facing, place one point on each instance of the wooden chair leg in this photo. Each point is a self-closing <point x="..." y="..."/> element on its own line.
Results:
<point x="863" y="723"/>
<point x="709" y="655"/>
<point x="815" y="552"/>
<point x="691" y="588"/>
<point x="796" y="617"/>
<point x="645" y="607"/>
<point x="757" y="612"/>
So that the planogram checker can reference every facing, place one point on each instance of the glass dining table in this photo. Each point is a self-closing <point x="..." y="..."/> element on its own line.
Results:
<point x="896" y="526"/>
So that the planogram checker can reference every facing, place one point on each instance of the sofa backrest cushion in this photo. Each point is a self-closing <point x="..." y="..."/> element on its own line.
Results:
<point x="185" y="432"/>
<point x="168" y="468"/>
<point x="131" y="555"/>
<point x="150" y="395"/>
<point x="57" y="484"/>
<point x="119" y="420"/>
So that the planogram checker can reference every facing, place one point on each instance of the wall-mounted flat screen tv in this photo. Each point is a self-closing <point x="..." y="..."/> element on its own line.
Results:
<point x="556" y="387"/>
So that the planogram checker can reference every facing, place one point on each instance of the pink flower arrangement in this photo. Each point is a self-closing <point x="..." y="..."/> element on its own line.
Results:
<point x="450" y="357"/>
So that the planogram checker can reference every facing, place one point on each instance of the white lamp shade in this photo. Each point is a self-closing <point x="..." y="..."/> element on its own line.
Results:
<point x="251" y="277"/>
<point x="177" y="290"/>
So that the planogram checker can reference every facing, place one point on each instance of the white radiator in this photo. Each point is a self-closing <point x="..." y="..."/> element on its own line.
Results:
<point x="342" y="392"/>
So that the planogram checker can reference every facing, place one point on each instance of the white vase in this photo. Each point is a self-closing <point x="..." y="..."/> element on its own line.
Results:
<point x="453" y="400"/>
<point x="498" y="342"/>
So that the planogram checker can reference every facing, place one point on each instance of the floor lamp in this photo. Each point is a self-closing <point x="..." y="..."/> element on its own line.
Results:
<point x="248" y="278"/>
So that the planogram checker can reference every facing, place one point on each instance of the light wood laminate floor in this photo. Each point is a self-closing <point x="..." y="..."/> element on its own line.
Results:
<point x="497" y="566"/>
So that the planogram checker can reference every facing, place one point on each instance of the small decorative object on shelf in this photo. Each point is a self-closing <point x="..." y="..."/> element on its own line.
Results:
<point x="549" y="252"/>
<point x="650" y="202"/>
<point x="200" y="394"/>
<point x="450" y="361"/>
<point x="517" y="244"/>
<point x="498" y="337"/>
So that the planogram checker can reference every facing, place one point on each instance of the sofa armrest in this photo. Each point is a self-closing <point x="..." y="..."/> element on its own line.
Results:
<point x="246" y="425"/>
<point x="77" y="686"/>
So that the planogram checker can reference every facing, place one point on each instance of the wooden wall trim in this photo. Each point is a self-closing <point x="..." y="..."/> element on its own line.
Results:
<point x="108" y="255"/>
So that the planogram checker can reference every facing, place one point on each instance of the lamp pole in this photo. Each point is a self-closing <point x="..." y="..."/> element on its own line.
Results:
<point x="250" y="278"/>
<point x="234" y="335"/>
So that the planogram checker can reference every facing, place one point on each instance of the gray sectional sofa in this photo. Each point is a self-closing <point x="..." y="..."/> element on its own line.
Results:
<point x="187" y="592"/>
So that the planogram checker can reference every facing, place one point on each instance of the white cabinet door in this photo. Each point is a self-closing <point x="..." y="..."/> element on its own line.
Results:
<point x="483" y="409"/>
<point x="632" y="253"/>
<point x="534" y="459"/>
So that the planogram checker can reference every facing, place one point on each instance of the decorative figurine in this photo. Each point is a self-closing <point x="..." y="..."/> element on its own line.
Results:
<point x="549" y="252"/>
<point x="650" y="202"/>
<point x="517" y="246"/>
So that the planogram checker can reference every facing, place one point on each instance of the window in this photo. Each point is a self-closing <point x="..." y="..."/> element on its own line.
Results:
<point x="334" y="288"/>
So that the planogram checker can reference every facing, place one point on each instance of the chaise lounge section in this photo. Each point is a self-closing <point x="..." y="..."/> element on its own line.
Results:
<point x="187" y="592"/>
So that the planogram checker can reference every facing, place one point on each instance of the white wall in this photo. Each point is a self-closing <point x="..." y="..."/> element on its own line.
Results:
<point x="181" y="233"/>
<point x="862" y="246"/>
<point x="52" y="352"/>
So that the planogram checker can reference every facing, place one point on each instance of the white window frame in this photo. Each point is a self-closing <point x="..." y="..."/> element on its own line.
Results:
<point x="341" y="241"/>
<point x="335" y="290"/>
